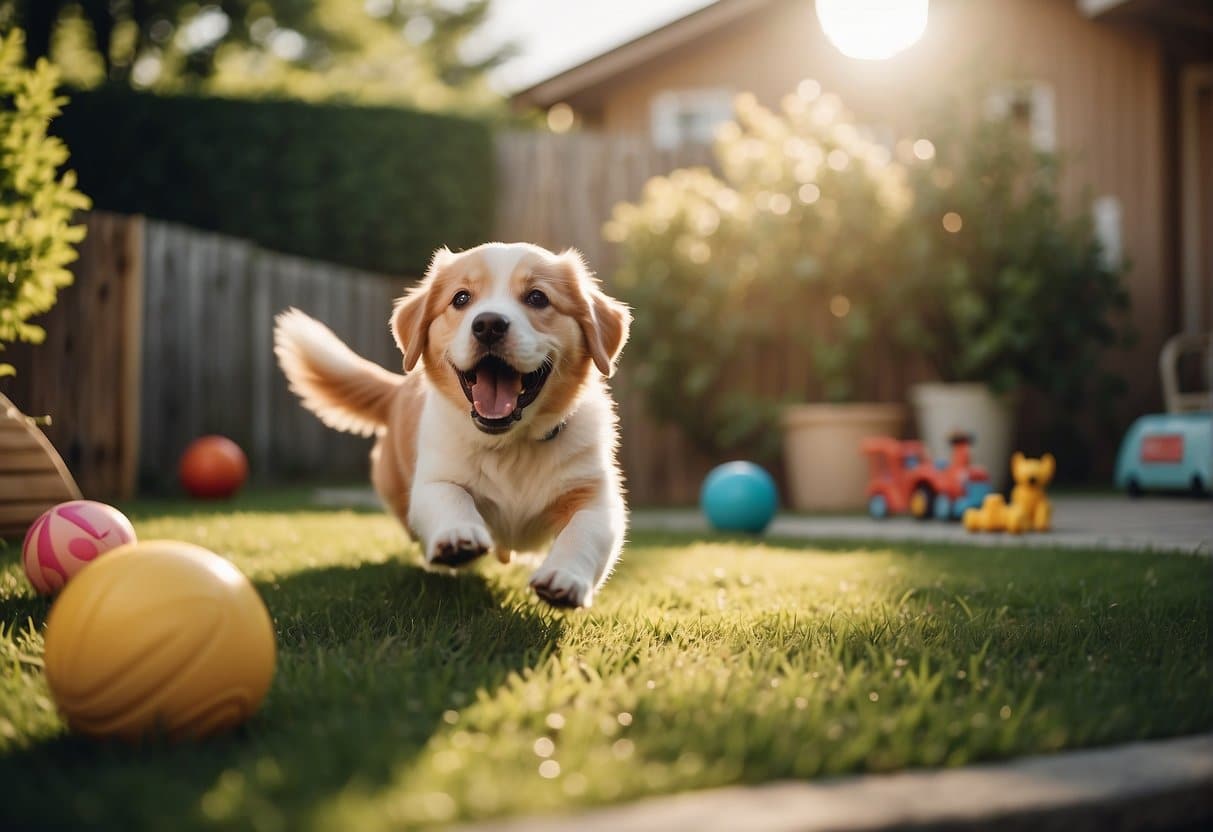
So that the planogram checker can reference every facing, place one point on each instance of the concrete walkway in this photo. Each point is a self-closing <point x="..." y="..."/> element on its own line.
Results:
<point x="1157" y="524"/>
<point x="1153" y="785"/>
<point x="1112" y="522"/>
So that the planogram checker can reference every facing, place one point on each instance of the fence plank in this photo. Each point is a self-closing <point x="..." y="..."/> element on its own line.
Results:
<point x="261" y="365"/>
<point x="80" y="374"/>
<point x="207" y="348"/>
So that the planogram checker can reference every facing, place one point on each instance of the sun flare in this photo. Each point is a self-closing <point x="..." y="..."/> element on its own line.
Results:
<point x="872" y="30"/>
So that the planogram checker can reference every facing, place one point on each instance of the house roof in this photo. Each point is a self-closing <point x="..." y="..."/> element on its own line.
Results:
<point x="1190" y="16"/>
<point x="636" y="52"/>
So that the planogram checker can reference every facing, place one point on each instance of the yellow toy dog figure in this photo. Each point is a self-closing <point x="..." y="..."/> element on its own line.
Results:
<point x="991" y="517"/>
<point x="1029" y="509"/>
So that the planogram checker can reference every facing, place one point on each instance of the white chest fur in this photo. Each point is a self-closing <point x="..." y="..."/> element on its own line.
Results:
<point x="515" y="480"/>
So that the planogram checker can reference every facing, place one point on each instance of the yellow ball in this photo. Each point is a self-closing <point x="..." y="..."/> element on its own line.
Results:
<point x="158" y="638"/>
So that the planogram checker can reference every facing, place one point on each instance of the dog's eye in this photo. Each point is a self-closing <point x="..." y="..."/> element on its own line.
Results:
<point x="536" y="299"/>
<point x="461" y="299"/>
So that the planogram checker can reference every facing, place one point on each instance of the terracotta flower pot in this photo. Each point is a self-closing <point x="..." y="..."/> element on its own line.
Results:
<point x="826" y="471"/>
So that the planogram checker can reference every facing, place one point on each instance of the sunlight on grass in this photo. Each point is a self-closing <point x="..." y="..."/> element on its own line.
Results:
<point x="405" y="697"/>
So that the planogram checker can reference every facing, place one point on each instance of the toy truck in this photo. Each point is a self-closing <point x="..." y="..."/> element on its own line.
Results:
<point x="903" y="479"/>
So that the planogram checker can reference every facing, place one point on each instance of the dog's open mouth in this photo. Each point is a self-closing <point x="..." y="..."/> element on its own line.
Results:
<point x="498" y="393"/>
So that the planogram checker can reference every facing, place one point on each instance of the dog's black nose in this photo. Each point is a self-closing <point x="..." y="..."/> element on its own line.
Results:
<point x="489" y="327"/>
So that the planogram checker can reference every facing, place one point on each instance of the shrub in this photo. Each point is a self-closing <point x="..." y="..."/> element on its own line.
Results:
<point x="376" y="188"/>
<point x="1006" y="287"/>
<point x="784" y="248"/>
<point x="36" y="200"/>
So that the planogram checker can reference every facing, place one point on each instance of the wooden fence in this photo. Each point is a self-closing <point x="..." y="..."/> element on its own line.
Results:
<point x="180" y="321"/>
<point x="87" y="372"/>
<point x="209" y="367"/>
<point x="167" y="335"/>
<point x="558" y="191"/>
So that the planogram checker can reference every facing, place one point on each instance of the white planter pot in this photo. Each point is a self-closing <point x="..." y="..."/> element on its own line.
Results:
<point x="826" y="470"/>
<point x="944" y="409"/>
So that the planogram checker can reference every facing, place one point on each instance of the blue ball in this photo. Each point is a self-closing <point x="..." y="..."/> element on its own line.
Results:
<point x="739" y="497"/>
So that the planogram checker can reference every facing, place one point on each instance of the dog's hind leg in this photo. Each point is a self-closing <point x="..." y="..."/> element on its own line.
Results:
<point x="390" y="485"/>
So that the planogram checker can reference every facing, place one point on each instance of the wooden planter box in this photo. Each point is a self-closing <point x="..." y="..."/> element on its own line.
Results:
<point x="32" y="475"/>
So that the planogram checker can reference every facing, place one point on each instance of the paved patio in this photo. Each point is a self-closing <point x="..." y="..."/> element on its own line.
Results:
<point x="1159" y="524"/>
<point x="1104" y="522"/>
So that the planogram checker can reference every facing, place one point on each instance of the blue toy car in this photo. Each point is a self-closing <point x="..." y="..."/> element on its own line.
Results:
<point x="1167" y="452"/>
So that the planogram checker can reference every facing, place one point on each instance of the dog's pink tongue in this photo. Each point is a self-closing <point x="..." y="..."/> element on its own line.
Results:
<point x="495" y="394"/>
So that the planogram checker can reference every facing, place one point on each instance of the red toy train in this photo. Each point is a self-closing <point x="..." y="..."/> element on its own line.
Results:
<point x="903" y="479"/>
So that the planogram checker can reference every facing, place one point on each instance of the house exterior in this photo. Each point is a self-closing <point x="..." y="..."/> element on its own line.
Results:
<point x="1123" y="88"/>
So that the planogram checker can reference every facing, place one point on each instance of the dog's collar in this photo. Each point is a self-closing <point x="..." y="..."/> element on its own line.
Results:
<point x="554" y="432"/>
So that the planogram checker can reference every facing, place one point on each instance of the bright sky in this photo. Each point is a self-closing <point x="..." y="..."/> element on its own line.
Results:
<point x="554" y="35"/>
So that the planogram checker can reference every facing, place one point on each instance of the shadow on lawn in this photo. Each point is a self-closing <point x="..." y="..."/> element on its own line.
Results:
<point x="372" y="660"/>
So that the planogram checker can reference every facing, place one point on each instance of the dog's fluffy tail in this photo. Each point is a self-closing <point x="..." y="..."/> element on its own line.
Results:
<point x="345" y="390"/>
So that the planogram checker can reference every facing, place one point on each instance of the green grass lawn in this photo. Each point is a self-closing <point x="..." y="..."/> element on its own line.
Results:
<point x="405" y="697"/>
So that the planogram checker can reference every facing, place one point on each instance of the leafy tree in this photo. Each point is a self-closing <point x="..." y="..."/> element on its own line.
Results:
<point x="404" y="51"/>
<point x="36" y="200"/>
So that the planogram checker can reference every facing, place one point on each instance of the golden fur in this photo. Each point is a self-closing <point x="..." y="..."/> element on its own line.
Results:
<point x="549" y="478"/>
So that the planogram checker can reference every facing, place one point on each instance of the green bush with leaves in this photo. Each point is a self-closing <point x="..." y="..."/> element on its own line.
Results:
<point x="373" y="187"/>
<point x="787" y="246"/>
<point x="1007" y="287"/>
<point x="37" y="201"/>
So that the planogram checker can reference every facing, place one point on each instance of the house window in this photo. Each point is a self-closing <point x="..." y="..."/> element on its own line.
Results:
<point x="1028" y="104"/>
<point x="689" y="116"/>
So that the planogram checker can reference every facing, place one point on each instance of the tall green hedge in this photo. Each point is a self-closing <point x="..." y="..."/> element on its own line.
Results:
<point x="377" y="188"/>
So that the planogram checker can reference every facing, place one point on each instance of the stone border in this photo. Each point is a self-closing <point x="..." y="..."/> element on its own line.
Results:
<point x="1146" y="785"/>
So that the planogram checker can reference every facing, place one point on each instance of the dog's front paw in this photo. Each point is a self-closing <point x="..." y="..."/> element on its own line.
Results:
<point x="562" y="587"/>
<point x="458" y="545"/>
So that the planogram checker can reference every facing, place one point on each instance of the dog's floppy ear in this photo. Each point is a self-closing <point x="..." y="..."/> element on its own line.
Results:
<point x="1047" y="466"/>
<point x="414" y="312"/>
<point x="604" y="321"/>
<point x="1016" y="464"/>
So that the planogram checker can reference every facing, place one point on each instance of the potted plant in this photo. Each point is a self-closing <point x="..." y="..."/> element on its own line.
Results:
<point x="1009" y="292"/>
<point x="775" y="264"/>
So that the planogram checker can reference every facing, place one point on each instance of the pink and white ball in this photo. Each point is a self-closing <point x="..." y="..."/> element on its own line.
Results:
<point x="67" y="537"/>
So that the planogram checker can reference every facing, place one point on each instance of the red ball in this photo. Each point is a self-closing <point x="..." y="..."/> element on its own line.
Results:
<point x="212" y="467"/>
